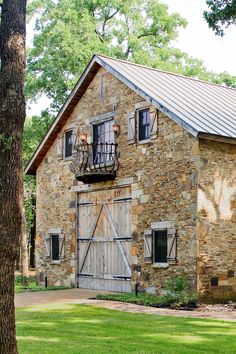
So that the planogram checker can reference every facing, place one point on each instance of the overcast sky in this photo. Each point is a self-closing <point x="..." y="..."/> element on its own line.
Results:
<point x="218" y="54"/>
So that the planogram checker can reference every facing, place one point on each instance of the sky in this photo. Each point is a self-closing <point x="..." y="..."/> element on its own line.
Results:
<point x="197" y="39"/>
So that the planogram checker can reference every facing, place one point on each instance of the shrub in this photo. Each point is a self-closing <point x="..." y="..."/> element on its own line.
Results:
<point x="178" y="292"/>
<point x="23" y="280"/>
<point x="178" y="295"/>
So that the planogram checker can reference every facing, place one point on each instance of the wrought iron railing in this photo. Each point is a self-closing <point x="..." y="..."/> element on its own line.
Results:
<point x="95" y="162"/>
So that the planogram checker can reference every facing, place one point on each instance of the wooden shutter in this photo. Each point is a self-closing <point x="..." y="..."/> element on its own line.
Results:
<point x="148" y="246"/>
<point x="74" y="140"/>
<point x="171" y="246"/>
<point x="61" y="247"/>
<point x="47" y="247"/>
<point x="131" y="127"/>
<point x="153" y="122"/>
<point x="60" y="147"/>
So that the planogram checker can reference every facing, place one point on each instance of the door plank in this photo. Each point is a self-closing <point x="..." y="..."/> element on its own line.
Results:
<point x="118" y="241"/>
<point x="92" y="234"/>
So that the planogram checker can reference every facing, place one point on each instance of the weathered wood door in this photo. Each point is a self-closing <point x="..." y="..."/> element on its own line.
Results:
<point x="104" y="240"/>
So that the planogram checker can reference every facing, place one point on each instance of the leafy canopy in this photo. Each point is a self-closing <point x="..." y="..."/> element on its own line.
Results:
<point x="69" y="32"/>
<point x="221" y="14"/>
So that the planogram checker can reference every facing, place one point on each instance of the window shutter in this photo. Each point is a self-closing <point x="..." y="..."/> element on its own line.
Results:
<point x="148" y="246"/>
<point x="74" y="139"/>
<point x="47" y="247"/>
<point x="61" y="247"/>
<point x="153" y="123"/>
<point x="171" y="246"/>
<point x="131" y="127"/>
<point x="60" y="147"/>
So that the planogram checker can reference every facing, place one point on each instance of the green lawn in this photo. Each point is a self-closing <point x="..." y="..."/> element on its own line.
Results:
<point x="32" y="287"/>
<point x="66" y="329"/>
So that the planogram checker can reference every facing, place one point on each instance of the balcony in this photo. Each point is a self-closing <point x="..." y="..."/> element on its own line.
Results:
<point x="95" y="162"/>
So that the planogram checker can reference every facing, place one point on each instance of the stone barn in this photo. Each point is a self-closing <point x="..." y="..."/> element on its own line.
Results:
<point x="137" y="174"/>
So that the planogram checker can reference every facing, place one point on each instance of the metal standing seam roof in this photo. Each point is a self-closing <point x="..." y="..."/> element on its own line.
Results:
<point x="198" y="106"/>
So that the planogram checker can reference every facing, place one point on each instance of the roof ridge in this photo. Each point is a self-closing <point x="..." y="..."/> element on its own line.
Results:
<point x="167" y="72"/>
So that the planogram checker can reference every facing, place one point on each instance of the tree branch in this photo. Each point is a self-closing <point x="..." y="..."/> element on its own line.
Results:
<point x="106" y="19"/>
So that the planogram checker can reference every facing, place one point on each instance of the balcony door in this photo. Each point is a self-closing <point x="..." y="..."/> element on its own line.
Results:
<point x="103" y="138"/>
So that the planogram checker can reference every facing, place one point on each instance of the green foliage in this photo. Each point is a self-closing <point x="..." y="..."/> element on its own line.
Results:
<point x="20" y="279"/>
<point x="34" y="130"/>
<point x="171" y="300"/>
<point x="177" y="285"/>
<point x="177" y="295"/>
<point x="69" y="32"/>
<point x="178" y="292"/>
<point x="221" y="14"/>
<point x="28" y="284"/>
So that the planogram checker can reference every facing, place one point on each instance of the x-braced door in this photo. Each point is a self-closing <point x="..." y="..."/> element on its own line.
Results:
<point x="104" y="240"/>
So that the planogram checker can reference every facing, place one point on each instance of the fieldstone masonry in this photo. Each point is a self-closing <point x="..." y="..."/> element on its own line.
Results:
<point x="173" y="177"/>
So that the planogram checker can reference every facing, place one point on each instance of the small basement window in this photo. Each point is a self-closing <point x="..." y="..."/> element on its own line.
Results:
<point x="143" y="124"/>
<point x="160" y="246"/>
<point x="55" y="247"/>
<point x="68" y="143"/>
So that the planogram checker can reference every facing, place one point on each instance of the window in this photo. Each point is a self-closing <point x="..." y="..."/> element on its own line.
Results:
<point x="55" y="247"/>
<point x="68" y="143"/>
<point x="160" y="246"/>
<point x="143" y="125"/>
<point x="103" y="138"/>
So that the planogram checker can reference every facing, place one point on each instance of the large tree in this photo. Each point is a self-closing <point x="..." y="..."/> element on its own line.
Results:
<point x="68" y="32"/>
<point x="221" y="14"/>
<point x="12" y="116"/>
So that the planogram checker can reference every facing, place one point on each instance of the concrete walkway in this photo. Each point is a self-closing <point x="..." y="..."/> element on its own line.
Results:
<point x="83" y="297"/>
<point x="44" y="297"/>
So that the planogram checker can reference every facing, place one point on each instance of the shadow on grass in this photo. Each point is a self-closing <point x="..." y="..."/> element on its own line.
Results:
<point x="69" y="328"/>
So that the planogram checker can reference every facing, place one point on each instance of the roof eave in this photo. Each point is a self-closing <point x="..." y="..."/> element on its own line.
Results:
<point x="219" y="138"/>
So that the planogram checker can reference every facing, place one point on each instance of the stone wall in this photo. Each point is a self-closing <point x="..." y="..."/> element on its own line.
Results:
<point x="217" y="220"/>
<point x="163" y="177"/>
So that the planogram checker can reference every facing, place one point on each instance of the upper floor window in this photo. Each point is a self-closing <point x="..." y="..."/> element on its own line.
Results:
<point x="68" y="143"/>
<point x="143" y="124"/>
<point x="103" y="138"/>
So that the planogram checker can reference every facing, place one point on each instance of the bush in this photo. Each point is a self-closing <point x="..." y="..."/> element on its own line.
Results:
<point x="23" y="280"/>
<point x="178" y="295"/>
<point x="178" y="292"/>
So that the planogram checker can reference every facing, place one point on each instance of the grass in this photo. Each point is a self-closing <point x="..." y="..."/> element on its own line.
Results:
<point x="69" y="328"/>
<point x="32" y="287"/>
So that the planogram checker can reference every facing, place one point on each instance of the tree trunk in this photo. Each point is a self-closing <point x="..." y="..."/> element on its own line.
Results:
<point x="24" y="251"/>
<point x="12" y="116"/>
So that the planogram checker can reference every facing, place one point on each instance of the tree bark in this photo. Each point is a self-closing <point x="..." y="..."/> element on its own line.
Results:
<point x="12" y="116"/>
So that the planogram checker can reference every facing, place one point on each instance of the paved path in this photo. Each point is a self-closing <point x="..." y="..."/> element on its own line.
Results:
<point x="44" y="297"/>
<point x="83" y="297"/>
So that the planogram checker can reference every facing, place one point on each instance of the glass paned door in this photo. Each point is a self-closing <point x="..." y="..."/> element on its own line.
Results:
<point x="103" y="137"/>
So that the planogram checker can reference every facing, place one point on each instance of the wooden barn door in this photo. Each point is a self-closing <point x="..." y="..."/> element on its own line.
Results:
<point x="104" y="240"/>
